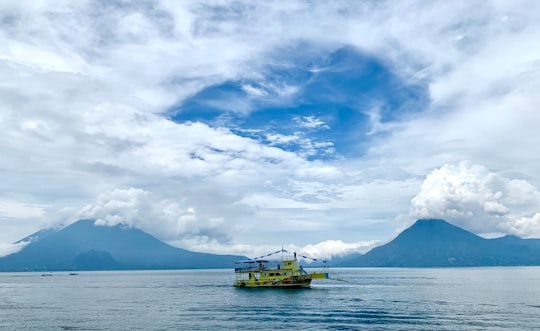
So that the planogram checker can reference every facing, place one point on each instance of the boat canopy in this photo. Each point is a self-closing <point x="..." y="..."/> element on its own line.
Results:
<point x="262" y="258"/>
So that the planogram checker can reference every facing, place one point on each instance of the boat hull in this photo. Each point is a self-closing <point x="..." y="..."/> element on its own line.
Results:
<point x="302" y="281"/>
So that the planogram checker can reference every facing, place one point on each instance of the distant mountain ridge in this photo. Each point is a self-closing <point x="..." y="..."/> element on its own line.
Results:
<point x="86" y="246"/>
<point x="437" y="243"/>
<point x="427" y="243"/>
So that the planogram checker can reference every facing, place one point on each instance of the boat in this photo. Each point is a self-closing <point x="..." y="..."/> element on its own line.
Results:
<point x="283" y="272"/>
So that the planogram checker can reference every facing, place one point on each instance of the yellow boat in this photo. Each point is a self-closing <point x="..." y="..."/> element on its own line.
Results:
<point x="275" y="273"/>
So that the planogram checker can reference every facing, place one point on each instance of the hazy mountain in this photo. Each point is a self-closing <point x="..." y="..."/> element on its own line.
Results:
<point x="85" y="246"/>
<point x="514" y="240"/>
<point x="436" y="243"/>
<point x="427" y="243"/>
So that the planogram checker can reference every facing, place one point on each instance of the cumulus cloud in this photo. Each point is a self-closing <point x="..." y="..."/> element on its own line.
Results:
<point x="164" y="218"/>
<point x="323" y="250"/>
<point x="478" y="199"/>
<point x="526" y="226"/>
<point x="336" y="248"/>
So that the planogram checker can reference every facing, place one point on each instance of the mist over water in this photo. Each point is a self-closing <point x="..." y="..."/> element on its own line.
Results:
<point x="381" y="299"/>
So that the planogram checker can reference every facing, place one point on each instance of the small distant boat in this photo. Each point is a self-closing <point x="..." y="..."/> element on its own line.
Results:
<point x="284" y="272"/>
<point x="73" y="274"/>
<point x="46" y="274"/>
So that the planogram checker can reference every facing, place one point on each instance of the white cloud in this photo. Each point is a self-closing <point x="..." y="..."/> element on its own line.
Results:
<point x="479" y="200"/>
<point x="254" y="91"/>
<point x="14" y="209"/>
<point x="7" y="249"/>
<point x="276" y="138"/>
<point x="526" y="226"/>
<point x="323" y="250"/>
<point x="311" y="122"/>
<point x="336" y="248"/>
<point x="141" y="209"/>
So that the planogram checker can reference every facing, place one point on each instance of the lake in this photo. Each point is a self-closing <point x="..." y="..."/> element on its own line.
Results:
<point x="506" y="298"/>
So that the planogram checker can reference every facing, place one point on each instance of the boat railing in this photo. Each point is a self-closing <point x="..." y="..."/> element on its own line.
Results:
<point x="246" y="269"/>
<point x="257" y="268"/>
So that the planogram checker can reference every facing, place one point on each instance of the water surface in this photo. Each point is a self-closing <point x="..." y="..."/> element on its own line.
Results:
<point x="371" y="299"/>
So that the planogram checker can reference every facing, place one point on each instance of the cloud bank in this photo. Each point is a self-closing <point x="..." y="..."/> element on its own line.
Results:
<point x="480" y="200"/>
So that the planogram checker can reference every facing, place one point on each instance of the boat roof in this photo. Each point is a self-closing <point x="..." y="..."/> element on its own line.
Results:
<point x="262" y="259"/>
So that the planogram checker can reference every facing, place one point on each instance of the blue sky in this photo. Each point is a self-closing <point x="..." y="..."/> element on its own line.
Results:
<point x="329" y="114"/>
<point x="238" y="127"/>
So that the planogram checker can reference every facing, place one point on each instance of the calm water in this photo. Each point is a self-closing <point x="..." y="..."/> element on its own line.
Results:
<point x="371" y="299"/>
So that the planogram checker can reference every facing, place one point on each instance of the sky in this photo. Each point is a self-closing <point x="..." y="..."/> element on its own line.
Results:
<point x="242" y="126"/>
